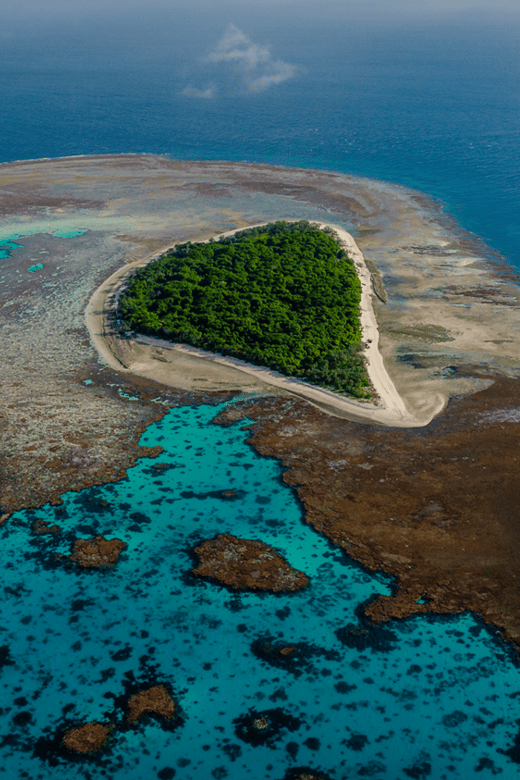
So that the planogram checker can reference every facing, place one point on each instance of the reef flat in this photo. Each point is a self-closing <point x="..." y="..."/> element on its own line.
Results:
<point x="434" y="505"/>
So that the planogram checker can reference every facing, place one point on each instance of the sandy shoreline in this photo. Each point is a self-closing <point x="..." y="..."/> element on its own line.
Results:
<point x="390" y="408"/>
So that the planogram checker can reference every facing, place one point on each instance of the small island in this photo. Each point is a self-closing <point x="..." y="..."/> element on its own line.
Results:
<point x="246" y="564"/>
<point x="284" y="295"/>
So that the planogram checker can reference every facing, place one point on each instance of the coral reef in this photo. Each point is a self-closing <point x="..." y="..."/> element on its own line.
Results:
<point x="246" y="563"/>
<point x="41" y="527"/>
<point x="96" y="553"/>
<point x="88" y="738"/>
<point x="294" y="657"/>
<point x="153" y="701"/>
<point x="264" y="728"/>
<point x="436" y="507"/>
<point x="304" y="773"/>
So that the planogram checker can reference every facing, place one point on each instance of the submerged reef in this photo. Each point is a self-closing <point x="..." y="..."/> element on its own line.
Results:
<point x="96" y="553"/>
<point x="367" y="635"/>
<point x="246" y="563"/>
<point x="304" y="773"/>
<point x="41" y="527"/>
<point x="293" y="657"/>
<point x="513" y="752"/>
<point x="265" y="727"/>
<point x="88" y="738"/>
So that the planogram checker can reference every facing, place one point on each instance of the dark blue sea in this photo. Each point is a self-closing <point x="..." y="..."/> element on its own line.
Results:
<point x="433" y="104"/>
<point x="430" y="104"/>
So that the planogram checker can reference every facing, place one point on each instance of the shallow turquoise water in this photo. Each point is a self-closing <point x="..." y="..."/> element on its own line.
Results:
<point x="6" y="247"/>
<point x="422" y="698"/>
<point x="11" y="242"/>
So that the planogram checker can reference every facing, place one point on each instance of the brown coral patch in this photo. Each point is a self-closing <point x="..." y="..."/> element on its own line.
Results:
<point x="246" y="563"/>
<point x="88" y="738"/>
<point x="153" y="701"/>
<point x="97" y="552"/>
<point x="436" y="507"/>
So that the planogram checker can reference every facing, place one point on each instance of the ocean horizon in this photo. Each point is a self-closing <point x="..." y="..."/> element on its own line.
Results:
<point x="429" y="105"/>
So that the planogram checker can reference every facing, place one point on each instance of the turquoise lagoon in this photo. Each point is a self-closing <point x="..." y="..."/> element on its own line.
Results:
<point x="11" y="242"/>
<point x="8" y="243"/>
<point x="423" y="698"/>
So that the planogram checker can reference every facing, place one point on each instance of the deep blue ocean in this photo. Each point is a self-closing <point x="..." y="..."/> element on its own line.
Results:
<point x="435" y="106"/>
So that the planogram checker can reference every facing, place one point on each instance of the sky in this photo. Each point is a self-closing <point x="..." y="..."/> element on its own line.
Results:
<point x="197" y="24"/>
<point x="239" y="47"/>
<point x="56" y="11"/>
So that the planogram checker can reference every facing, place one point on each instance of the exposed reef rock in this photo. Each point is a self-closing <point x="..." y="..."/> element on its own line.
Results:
<point x="153" y="701"/>
<point x="96" y="553"/>
<point x="150" y="452"/>
<point x="246" y="563"/>
<point x="436" y="507"/>
<point x="88" y="738"/>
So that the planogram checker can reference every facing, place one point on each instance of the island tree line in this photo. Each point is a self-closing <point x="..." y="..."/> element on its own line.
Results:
<point x="284" y="295"/>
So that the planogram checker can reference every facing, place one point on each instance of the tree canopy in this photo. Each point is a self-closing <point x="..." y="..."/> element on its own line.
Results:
<point x="283" y="295"/>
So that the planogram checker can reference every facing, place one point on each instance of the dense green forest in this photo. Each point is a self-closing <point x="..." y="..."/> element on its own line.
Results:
<point x="283" y="295"/>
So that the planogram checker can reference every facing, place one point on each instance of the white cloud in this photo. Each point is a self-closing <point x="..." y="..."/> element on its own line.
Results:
<point x="234" y="45"/>
<point x="246" y="67"/>
<point x="280" y="71"/>
<point x="206" y="92"/>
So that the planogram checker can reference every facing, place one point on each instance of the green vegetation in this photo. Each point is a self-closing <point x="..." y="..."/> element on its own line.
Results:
<point x="283" y="295"/>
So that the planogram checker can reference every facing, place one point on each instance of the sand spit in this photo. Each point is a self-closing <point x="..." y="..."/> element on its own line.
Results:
<point x="390" y="409"/>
